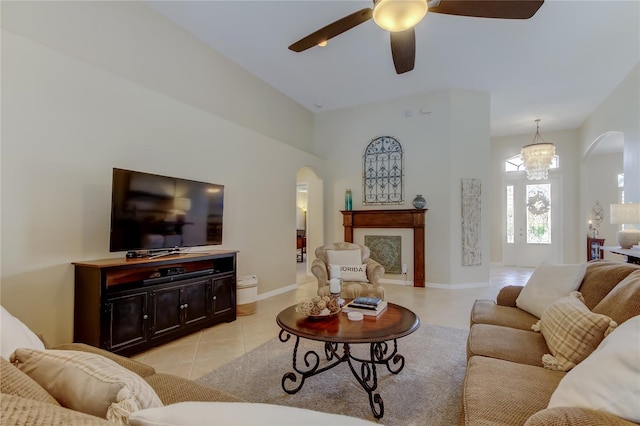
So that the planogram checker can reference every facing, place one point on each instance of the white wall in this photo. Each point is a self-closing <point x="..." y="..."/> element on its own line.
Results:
<point x="620" y="111"/>
<point x="67" y="121"/>
<point x="446" y="138"/>
<point x="129" y="39"/>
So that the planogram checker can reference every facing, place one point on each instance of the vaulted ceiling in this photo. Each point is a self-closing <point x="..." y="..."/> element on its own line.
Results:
<point x="557" y="66"/>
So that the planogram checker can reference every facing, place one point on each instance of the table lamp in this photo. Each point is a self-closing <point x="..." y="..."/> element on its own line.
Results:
<point x="626" y="214"/>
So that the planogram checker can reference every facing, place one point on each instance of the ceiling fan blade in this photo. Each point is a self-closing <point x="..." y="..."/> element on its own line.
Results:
<point x="332" y="30"/>
<point x="504" y="9"/>
<point x="403" y="50"/>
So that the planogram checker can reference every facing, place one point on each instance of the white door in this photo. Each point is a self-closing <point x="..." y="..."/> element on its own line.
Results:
<point x="532" y="217"/>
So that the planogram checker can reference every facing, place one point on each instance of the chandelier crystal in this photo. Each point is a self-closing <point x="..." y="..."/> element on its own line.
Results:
<point x="537" y="156"/>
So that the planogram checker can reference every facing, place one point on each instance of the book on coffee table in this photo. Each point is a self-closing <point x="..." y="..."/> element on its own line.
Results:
<point x="366" y="310"/>
<point x="366" y="302"/>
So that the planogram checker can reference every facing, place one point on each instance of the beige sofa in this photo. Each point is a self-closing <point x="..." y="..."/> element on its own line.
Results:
<point x="505" y="382"/>
<point x="25" y="402"/>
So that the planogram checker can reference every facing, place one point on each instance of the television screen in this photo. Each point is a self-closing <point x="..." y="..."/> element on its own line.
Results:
<point x="153" y="212"/>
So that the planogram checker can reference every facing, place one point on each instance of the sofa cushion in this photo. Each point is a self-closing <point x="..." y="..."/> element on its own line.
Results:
<point x="498" y="392"/>
<point x="15" y="382"/>
<point x="487" y="312"/>
<point x="601" y="277"/>
<point x="623" y="302"/>
<point x="609" y="379"/>
<point x="571" y="331"/>
<point x="548" y="283"/>
<point x="237" y="413"/>
<point x="24" y="411"/>
<point x="509" y="344"/>
<point x="172" y="389"/>
<point x="572" y="416"/>
<point x="15" y="334"/>
<point x="88" y="383"/>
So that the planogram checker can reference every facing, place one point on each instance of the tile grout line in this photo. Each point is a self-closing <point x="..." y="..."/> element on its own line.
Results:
<point x="195" y="354"/>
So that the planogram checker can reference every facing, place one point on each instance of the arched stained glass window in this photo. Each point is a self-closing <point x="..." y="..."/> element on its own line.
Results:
<point x="382" y="170"/>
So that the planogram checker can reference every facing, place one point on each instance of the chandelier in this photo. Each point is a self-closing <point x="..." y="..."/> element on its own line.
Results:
<point x="537" y="156"/>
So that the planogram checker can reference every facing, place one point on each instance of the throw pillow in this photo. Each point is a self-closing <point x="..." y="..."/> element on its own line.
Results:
<point x="237" y="413"/>
<point x="608" y="380"/>
<point x="15" y="382"/>
<point x="571" y="331"/>
<point x="344" y="257"/>
<point x="15" y="334"/>
<point x="548" y="283"/>
<point x="88" y="383"/>
<point x="351" y="272"/>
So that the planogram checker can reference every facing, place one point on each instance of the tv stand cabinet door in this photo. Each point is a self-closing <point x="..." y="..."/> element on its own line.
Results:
<point x="224" y="297"/>
<point x="125" y="321"/>
<point x="194" y="299"/>
<point x="166" y="311"/>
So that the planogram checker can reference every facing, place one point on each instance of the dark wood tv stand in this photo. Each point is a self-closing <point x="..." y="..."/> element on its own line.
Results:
<point x="128" y="305"/>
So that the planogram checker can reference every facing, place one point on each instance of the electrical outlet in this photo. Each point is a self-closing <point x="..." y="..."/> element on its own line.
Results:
<point x="404" y="268"/>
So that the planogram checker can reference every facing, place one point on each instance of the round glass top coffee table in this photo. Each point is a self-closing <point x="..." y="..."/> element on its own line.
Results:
<point x="338" y="334"/>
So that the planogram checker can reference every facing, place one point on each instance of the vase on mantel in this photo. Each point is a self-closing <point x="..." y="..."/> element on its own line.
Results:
<point x="419" y="202"/>
<point x="348" y="200"/>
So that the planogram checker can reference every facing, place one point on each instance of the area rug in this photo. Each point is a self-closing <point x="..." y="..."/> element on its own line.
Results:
<point x="426" y="392"/>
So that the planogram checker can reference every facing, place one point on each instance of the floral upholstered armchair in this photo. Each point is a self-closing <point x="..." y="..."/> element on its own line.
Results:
<point x="360" y="275"/>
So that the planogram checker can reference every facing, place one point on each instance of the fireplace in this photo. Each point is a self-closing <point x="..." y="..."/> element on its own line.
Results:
<point x="413" y="218"/>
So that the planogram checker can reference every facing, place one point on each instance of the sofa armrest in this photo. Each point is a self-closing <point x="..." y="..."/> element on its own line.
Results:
<point x="508" y="295"/>
<point x="574" y="416"/>
<point x="139" y="368"/>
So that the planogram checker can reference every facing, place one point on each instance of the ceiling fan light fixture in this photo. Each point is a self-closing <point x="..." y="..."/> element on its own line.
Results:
<point x="398" y="15"/>
<point x="537" y="156"/>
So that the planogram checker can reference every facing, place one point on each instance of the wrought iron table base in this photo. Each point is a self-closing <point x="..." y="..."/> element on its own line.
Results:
<point x="366" y="376"/>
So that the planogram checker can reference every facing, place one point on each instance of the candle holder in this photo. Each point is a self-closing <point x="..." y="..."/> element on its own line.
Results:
<point x="335" y="287"/>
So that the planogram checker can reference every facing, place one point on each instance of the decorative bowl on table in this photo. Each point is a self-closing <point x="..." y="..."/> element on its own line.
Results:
<point x="319" y="307"/>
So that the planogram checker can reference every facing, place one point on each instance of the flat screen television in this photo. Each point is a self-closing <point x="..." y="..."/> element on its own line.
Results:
<point x="154" y="213"/>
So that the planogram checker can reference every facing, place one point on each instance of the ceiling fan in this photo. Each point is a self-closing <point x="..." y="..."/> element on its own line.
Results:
<point x="399" y="17"/>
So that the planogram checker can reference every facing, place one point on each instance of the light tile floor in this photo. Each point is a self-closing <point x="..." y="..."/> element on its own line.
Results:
<point x="198" y="353"/>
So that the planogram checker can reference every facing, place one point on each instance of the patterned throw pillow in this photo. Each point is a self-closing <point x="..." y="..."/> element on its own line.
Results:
<point x="88" y="383"/>
<point x="571" y="331"/>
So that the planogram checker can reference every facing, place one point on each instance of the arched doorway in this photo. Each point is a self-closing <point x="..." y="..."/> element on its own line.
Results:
<point x="309" y="220"/>
<point x="603" y="184"/>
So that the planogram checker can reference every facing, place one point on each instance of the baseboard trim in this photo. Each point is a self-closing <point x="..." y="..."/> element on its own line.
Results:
<point x="397" y="282"/>
<point x="459" y="286"/>
<point x="277" y="291"/>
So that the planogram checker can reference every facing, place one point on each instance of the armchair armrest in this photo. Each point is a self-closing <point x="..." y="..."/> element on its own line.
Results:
<point x="319" y="270"/>
<point x="375" y="271"/>
<point x="508" y="295"/>
<point x="139" y="368"/>
<point x="574" y="416"/>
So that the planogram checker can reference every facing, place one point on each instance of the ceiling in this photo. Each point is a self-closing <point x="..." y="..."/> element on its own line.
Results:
<point x="557" y="66"/>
